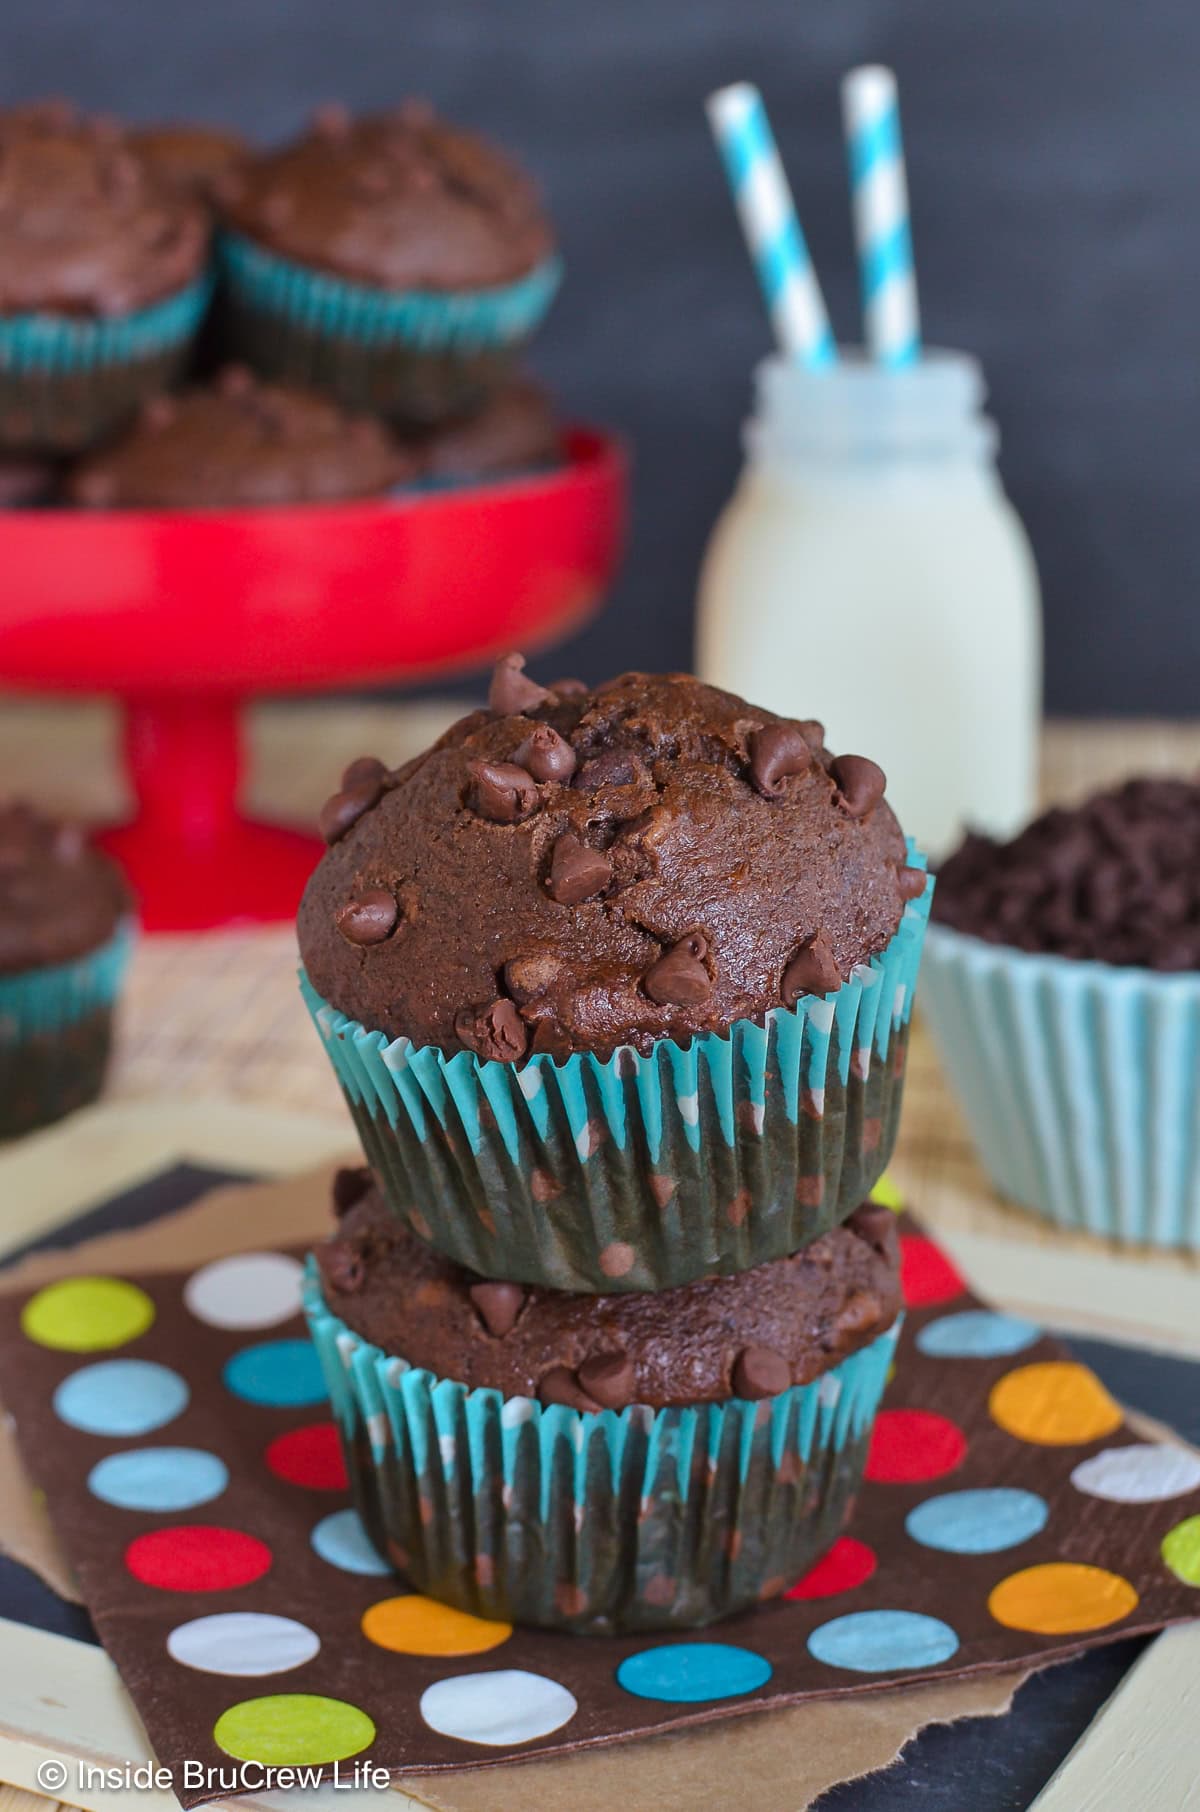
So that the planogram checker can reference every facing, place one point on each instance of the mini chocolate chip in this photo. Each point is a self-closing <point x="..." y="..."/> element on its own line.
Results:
<point x="365" y="768"/>
<point x="813" y="970"/>
<point x="776" y="752"/>
<point x="346" y="808"/>
<point x="344" y="1269"/>
<point x="911" y="882"/>
<point x="609" y="1378"/>
<point x="560" y="1385"/>
<point x="498" y="1304"/>
<point x="861" y="783"/>
<point x="369" y="918"/>
<point x="350" y="1183"/>
<point x="547" y="755"/>
<point x="680" y="978"/>
<point x="758" y="1372"/>
<point x="495" y="1031"/>
<point x="503" y="793"/>
<point x="511" y="692"/>
<point x="876" y="1225"/>
<point x="569" y="688"/>
<point x="577" y="872"/>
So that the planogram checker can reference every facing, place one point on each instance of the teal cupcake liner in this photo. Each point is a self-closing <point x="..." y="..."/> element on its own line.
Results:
<point x="640" y="1172"/>
<point x="66" y="382"/>
<point x="1080" y="1082"/>
<point x="56" y="1034"/>
<point x="641" y="1519"/>
<point x="419" y="356"/>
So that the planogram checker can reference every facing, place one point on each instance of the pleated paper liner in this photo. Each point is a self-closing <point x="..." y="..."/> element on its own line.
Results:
<point x="643" y="1520"/>
<point x="1080" y="1082"/>
<point x="56" y="1028"/>
<point x="640" y="1173"/>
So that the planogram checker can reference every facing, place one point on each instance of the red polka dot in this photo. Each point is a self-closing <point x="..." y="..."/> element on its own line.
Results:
<point x="310" y="1456"/>
<point x="926" y="1273"/>
<point x="198" y="1557"/>
<point x="848" y="1563"/>
<point x="911" y="1445"/>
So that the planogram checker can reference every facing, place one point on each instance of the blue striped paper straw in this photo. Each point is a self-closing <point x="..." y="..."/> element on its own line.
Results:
<point x="771" y="225"/>
<point x="879" y="192"/>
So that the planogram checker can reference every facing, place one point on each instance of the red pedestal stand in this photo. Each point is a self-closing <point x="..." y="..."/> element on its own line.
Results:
<point x="186" y="615"/>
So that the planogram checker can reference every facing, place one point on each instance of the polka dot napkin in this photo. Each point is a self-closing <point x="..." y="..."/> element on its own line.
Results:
<point x="179" y="1427"/>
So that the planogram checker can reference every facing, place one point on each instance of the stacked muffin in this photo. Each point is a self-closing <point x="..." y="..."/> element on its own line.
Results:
<point x="617" y="984"/>
<point x="390" y="269"/>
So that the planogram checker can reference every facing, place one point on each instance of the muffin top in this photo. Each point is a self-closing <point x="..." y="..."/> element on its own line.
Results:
<point x="240" y="442"/>
<point x="87" y="226"/>
<point x="59" y="897"/>
<point x="747" y="1336"/>
<point x="398" y="200"/>
<point x="515" y="429"/>
<point x="1114" y="880"/>
<point x="194" y="158"/>
<point x="575" y="870"/>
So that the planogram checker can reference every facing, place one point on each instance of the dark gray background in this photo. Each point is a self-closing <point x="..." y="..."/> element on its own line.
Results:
<point x="1054" y="157"/>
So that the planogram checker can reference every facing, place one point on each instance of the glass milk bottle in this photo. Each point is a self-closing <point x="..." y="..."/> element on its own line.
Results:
<point x="869" y="570"/>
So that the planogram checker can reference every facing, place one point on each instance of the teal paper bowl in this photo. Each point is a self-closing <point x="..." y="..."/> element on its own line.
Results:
<point x="56" y="1029"/>
<point x="66" y="382"/>
<point x="640" y="1172"/>
<point x="1080" y="1082"/>
<point x="418" y="356"/>
<point x="639" y="1520"/>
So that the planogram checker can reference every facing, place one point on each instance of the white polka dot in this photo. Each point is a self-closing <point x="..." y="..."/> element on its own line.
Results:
<point x="514" y="1411"/>
<point x="689" y="1109"/>
<point x="341" y="1540"/>
<point x="508" y="1706"/>
<point x="251" y="1290"/>
<point x="1142" y="1474"/>
<point x="242" y="1643"/>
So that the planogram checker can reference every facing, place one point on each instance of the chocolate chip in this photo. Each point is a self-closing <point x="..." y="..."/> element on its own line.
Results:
<point x="498" y="1304"/>
<point x="813" y="970"/>
<point x="611" y="767"/>
<point x="369" y="918"/>
<point x="350" y="1184"/>
<point x="547" y="755"/>
<point x="609" y="1378"/>
<point x="502" y="792"/>
<point x="495" y="1032"/>
<point x="511" y="692"/>
<point x="813" y="732"/>
<point x="876" y="1225"/>
<point x="344" y="1269"/>
<point x="777" y="751"/>
<point x="911" y="882"/>
<point x="758" y="1372"/>
<point x="364" y="770"/>
<point x="346" y="808"/>
<point x="861" y="783"/>
<point x="577" y="872"/>
<point x="569" y="688"/>
<point x="680" y="978"/>
<point x="560" y="1385"/>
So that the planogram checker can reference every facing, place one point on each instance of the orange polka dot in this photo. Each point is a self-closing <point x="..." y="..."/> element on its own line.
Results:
<point x="1061" y="1598"/>
<point x="1055" y="1404"/>
<point x="618" y="1259"/>
<point x="414" y="1625"/>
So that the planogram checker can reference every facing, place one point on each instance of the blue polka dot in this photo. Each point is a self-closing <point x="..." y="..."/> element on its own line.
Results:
<point x="121" y="1397"/>
<point x="976" y="1334"/>
<point x="343" y="1542"/>
<point x="977" y="1522"/>
<point x="690" y="1673"/>
<point x="279" y="1374"/>
<point x="879" y="1642"/>
<point x="159" y="1478"/>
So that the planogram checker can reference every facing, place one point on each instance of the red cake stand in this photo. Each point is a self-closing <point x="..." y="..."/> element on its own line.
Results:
<point x="185" y="615"/>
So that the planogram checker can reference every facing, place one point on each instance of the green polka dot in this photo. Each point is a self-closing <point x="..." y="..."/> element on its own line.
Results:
<point x="87" y="1314"/>
<point x="887" y="1195"/>
<point x="293" y="1729"/>
<point x="1181" y="1550"/>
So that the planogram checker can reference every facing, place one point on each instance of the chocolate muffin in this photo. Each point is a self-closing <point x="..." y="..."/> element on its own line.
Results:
<point x="102" y="277"/>
<point x="515" y="431"/>
<point x="708" y="1469"/>
<point x="395" y="259"/>
<point x="240" y="442"/>
<point x="1064" y="994"/>
<point x="64" y="942"/>
<point x="197" y="159"/>
<point x="657" y="946"/>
